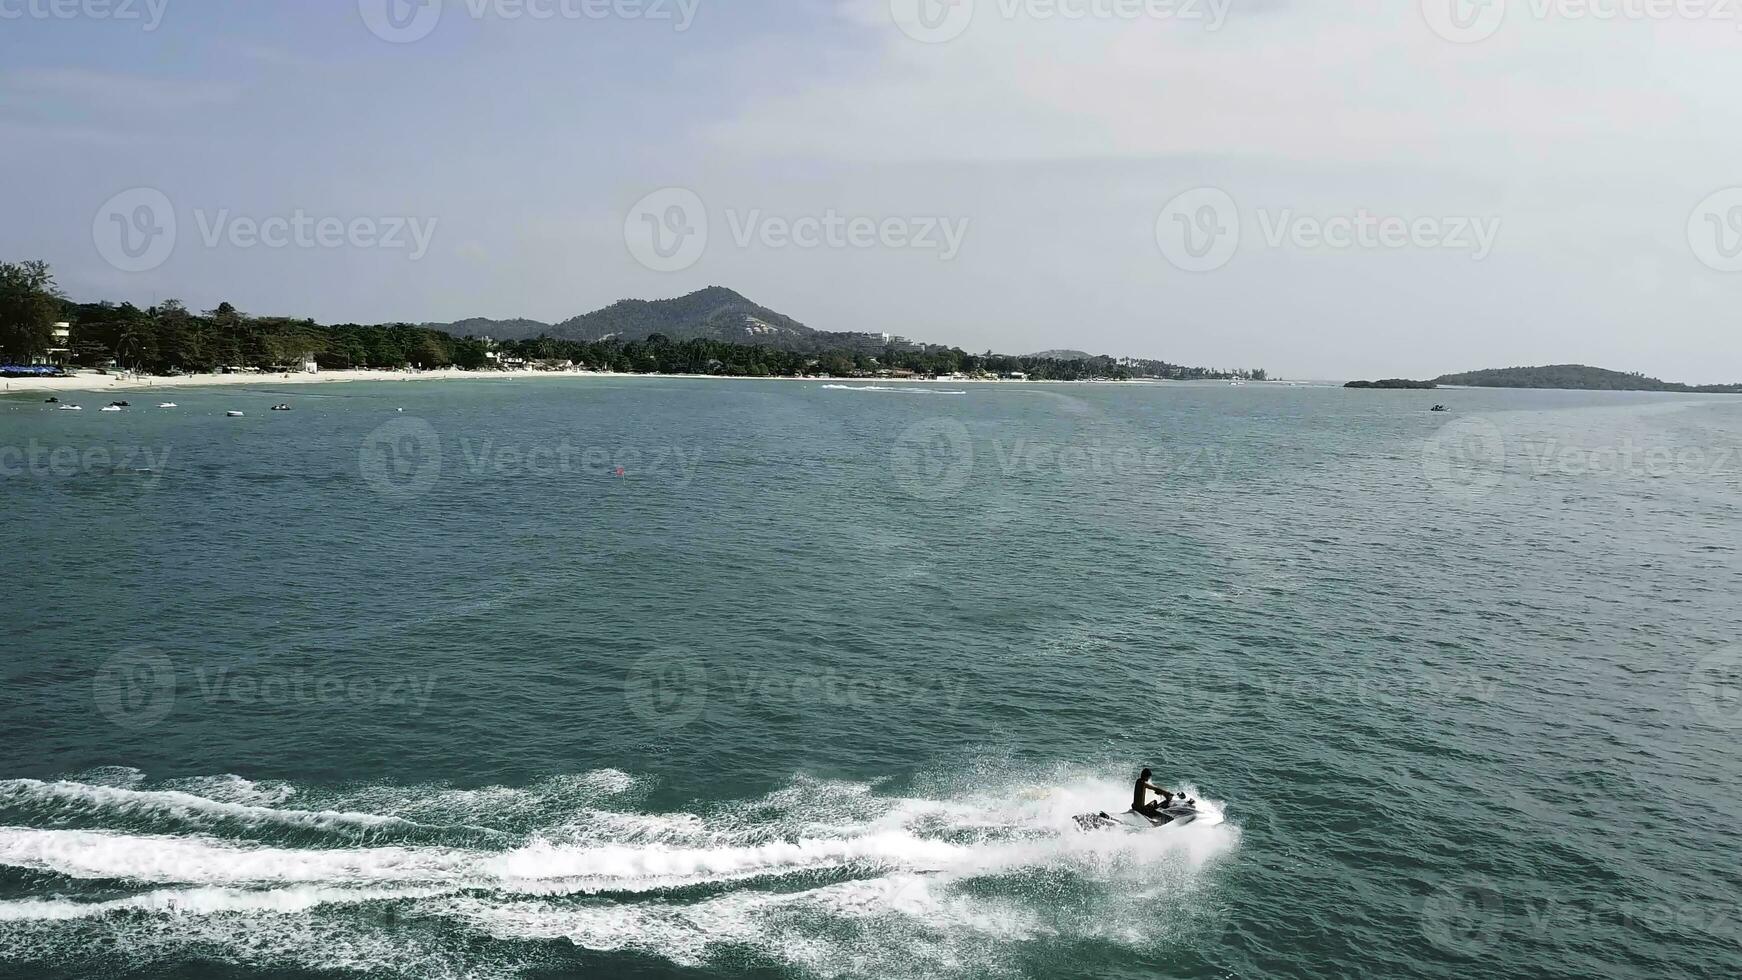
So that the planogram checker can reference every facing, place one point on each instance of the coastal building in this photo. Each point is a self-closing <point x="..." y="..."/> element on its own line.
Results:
<point x="309" y="364"/>
<point x="60" y="347"/>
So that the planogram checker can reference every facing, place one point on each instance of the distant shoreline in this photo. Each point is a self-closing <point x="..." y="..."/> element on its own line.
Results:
<point x="104" y="384"/>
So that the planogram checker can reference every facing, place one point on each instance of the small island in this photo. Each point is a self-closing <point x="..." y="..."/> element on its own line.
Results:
<point x="1403" y="383"/>
<point x="1577" y="377"/>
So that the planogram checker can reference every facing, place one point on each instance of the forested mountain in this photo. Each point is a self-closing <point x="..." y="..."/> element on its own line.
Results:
<point x="714" y="331"/>
<point x="479" y="326"/>
<point x="715" y="313"/>
<point x="1574" y="376"/>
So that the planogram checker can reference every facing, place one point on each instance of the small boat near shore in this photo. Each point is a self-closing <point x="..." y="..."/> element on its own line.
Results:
<point x="72" y="408"/>
<point x="169" y="405"/>
<point x="234" y="415"/>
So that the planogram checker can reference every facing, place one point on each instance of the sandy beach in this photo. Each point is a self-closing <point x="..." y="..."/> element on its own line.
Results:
<point x="104" y="383"/>
<point x="92" y="381"/>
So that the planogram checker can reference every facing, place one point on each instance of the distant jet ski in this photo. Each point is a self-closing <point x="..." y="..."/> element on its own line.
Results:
<point x="1177" y="815"/>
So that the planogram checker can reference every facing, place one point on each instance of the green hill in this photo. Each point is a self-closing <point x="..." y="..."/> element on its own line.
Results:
<point x="715" y="313"/>
<point x="1573" y="376"/>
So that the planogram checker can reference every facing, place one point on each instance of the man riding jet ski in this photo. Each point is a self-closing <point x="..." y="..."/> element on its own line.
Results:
<point x="1145" y="813"/>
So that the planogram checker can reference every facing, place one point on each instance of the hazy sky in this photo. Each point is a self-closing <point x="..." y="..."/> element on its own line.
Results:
<point x="1327" y="189"/>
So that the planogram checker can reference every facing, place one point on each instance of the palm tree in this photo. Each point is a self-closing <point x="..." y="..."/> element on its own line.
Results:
<point x="129" y="345"/>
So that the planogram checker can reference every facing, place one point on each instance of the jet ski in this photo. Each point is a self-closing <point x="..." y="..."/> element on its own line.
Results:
<point x="1177" y="815"/>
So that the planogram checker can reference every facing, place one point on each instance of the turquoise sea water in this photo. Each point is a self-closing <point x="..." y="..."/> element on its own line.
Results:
<point x="688" y="678"/>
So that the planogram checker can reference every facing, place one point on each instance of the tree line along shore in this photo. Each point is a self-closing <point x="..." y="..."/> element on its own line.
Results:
<point x="168" y="340"/>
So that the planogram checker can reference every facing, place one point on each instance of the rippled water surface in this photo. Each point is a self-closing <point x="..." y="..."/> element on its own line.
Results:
<point x="694" y="678"/>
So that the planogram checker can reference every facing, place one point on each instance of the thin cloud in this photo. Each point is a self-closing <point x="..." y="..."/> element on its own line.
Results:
<point x="103" y="91"/>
